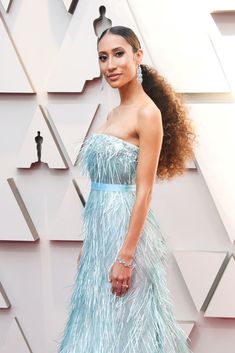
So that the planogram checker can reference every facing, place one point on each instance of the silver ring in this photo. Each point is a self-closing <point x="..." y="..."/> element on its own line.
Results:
<point x="125" y="285"/>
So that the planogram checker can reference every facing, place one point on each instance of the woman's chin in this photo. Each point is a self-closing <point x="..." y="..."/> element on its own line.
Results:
<point x="116" y="84"/>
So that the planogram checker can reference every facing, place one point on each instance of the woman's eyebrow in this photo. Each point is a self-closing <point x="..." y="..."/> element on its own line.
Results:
<point x="103" y="52"/>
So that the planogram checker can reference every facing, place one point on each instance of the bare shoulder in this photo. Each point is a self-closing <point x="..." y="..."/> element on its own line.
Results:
<point x="149" y="115"/>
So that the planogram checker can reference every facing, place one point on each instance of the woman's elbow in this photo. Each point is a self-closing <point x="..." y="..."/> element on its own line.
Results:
<point x="144" y="196"/>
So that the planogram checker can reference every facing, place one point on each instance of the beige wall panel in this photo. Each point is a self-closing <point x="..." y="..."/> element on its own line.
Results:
<point x="67" y="4"/>
<point x="188" y="215"/>
<point x="180" y="49"/>
<point x="4" y="301"/>
<point x="215" y="125"/>
<point x="67" y="223"/>
<point x="12" y="73"/>
<point x="222" y="303"/>
<point x="219" y="5"/>
<point x="83" y="186"/>
<point x="72" y="122"/>
<point x="199" y="270"/>
<point x="16" y="338"/>
<point x="225" y="48"/>
<point x="187" y="327"/>
<point x="190" y="165"/>
<point x="12" y="207"/>
<point x="6" y="4"/>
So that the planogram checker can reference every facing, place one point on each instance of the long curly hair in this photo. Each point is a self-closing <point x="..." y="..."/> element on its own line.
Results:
<point x="178" y="129"/>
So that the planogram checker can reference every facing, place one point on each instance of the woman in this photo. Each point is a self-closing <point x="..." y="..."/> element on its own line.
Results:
<point x="120" y="301"/>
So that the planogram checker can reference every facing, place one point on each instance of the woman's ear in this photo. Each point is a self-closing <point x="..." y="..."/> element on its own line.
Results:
<point x="140" y="54"/>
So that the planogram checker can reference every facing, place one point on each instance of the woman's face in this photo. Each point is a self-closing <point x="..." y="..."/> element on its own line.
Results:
<point x="118" y="62"/>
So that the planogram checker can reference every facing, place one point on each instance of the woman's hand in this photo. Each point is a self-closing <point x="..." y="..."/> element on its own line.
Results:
<point x="120" y="277"/>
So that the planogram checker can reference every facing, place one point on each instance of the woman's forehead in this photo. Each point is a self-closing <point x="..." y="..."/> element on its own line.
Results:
<point x="111" y="41"/>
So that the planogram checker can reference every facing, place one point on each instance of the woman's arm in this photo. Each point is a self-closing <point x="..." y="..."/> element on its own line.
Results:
<point x="150" y="131"/>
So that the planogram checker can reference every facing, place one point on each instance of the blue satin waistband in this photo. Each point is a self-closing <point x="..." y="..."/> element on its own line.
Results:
<point x="113" y="187"/>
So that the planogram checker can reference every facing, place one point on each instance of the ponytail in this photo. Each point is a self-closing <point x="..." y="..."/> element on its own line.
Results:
<point x="178" y="129"/>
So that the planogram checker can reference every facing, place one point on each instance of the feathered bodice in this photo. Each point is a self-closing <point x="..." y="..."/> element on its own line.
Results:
<point x="108" y="159"/>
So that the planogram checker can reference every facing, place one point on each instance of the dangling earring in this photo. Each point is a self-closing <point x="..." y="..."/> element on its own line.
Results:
<point x="139" y="74"/>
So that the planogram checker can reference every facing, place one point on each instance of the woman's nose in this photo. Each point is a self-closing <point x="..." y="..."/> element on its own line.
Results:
<point x="111" y="63"/>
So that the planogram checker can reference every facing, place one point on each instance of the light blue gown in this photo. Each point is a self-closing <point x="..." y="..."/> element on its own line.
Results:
<point x="142" y="320"/>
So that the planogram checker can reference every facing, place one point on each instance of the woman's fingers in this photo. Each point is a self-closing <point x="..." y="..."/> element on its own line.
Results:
<point x="120" y="287"/>
<point x="117" y="287"/>
<point x="120" y="281"/>
<point x="124" y="287"/>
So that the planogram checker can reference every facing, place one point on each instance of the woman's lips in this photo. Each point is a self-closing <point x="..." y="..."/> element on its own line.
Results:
<point x="113" y="77"/>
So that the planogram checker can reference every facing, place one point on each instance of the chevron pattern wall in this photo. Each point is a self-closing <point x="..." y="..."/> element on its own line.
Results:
<point x="51" y="98"/>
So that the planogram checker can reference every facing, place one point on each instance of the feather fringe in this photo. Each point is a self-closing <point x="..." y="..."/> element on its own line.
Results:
<point x="142" y="321"/>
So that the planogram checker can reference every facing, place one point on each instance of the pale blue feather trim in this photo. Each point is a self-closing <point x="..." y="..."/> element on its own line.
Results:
<point x="142" y="321"/>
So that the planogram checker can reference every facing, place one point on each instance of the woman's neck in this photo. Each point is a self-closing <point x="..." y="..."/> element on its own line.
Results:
<point x="130" y="93"/>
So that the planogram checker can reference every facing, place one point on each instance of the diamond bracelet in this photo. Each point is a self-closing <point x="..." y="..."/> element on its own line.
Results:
<point x="121" y="261"/>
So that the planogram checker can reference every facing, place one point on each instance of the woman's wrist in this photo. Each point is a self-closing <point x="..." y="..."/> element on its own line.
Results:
<point x="126" y="255"/>
<point x="123" y="262"/>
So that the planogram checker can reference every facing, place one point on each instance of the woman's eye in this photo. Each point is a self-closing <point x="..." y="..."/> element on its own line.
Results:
<point x="102" y="58"/>
<point x="120" y="53"/>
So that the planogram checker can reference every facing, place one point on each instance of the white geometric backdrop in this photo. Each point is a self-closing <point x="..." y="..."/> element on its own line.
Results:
<point x="50" y="82"/>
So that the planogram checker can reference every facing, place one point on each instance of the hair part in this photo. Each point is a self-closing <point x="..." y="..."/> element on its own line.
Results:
<point x="126" y="32"/>
<point x="178" y="130"/>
